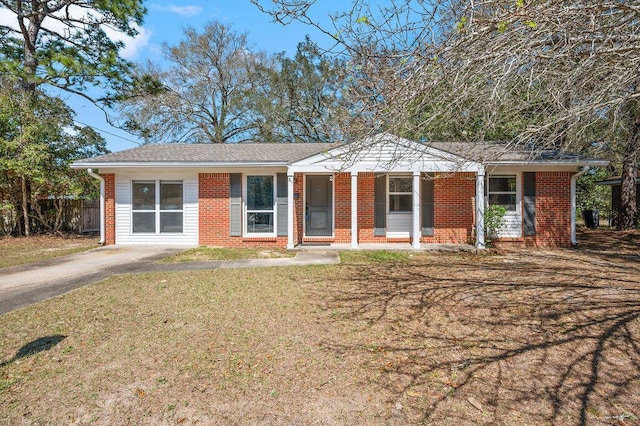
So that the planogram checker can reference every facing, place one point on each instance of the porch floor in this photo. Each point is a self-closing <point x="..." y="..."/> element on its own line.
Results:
<point x="387" y="246"/>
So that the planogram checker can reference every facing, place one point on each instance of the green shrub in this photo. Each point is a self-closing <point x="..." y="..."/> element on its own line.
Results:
<point x="493" y="221"/>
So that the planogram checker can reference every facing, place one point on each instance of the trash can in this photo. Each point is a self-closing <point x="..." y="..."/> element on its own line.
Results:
<point x="591" y="218"/>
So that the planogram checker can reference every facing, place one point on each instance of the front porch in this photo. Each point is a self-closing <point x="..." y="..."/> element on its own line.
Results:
<point x="429" y="247"/>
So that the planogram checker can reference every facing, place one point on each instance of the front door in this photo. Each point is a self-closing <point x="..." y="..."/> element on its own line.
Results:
<point x="319" y="206"/>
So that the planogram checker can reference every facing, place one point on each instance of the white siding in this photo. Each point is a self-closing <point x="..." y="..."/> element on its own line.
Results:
<point x="399" y="224"/>
<point x="190" y="212"/>
<point x="512" y="227"/>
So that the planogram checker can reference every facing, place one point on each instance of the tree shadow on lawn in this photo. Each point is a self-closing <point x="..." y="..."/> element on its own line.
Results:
<point x="533" y="336"/>
<point x="39" y="345"/>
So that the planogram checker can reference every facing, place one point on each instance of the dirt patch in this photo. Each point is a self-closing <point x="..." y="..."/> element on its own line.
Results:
<point x="520" y="337"/>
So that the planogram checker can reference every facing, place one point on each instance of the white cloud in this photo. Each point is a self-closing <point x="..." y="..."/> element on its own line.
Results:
<point x="132" y="45"/>
<point x="178" y="10"/>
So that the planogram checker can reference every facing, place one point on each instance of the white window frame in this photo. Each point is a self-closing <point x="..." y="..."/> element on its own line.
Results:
<point x="157" y="211"/>
<point x="389" y="193"/>
<point x="246" y="211"/>
<point x="516" y="176"/>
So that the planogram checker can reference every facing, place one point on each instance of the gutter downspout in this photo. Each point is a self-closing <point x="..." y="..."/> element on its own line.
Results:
<point x="101" y="179"/>
<point x="574" y="178"/>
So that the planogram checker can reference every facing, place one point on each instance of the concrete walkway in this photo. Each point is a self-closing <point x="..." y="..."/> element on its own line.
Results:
<point x="27" y="284"/>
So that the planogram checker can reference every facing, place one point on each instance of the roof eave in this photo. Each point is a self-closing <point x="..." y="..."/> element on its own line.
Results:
<point x="577" y="163"/>
<point x="176" y="164"/>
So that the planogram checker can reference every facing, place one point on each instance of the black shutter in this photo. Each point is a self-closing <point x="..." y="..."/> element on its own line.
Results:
<point x="283" y="210"/>
<point x="235" y="205"/>
<point x="380" y="206"/>
<point x="427" y="206"/>
<point x="529" y="203"/>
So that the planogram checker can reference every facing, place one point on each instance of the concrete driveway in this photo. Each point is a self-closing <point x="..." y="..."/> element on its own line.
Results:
<point x="27" y="284"/>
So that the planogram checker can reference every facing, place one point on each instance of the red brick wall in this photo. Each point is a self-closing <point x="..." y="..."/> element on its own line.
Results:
<point x="214" y="190"/>
<point x="454" y="196"/>
<point x="453" y="208"/>
<point x="366" y="204"/>
<point x="109" y="208"/>
<point x="342" y="210"/>
<point x="553" y="209"/>
<point x="213" y="207"/>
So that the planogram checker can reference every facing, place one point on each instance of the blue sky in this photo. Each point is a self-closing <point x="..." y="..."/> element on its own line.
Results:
<point x="164" y="23"/>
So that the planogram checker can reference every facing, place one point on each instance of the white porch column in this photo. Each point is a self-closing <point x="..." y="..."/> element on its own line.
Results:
<point x="416" y="210"/>
<point x="480" y="208"/>
<point x="290" y="201"/>
<point x="354" y="209"/>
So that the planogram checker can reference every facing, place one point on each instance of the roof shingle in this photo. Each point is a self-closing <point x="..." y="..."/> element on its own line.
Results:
<point x="214" y="153"/>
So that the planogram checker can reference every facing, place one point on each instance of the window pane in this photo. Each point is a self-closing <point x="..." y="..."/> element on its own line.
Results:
<point x="170" y="221"/>
<point x="144" y="195"/>
<point x="170" y="195"/>
<point x="259" y="222"/>
<point x="259" y="192"/>
<point x="397" y="184"/>
<point x="400" y="203"/>
<point x="502" y="184"/>
<point x="508" y="201"/>
<point x="144" y="222"/>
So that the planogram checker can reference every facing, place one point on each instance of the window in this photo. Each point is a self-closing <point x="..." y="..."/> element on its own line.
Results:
<point x="260" y="205"/>
<point x="400" y="195"/>
<point x="502" y="191"/>
<point x="157" y="207"/>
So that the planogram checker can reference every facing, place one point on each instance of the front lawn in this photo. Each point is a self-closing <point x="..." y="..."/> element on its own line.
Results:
<point x="522" y="337"/>
<point x="20" y="251"/>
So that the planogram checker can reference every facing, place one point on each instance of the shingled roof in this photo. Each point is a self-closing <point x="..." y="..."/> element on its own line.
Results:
<point x="282" y="154"/>
<point x="240" y="153"/>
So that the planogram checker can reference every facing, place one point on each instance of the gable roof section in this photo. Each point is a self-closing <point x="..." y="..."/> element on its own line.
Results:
<point x="181" y="154"/>
<point x="385" y="152"/>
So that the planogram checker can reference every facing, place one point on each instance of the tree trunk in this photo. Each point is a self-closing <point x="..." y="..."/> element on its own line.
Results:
<point x="25" y="207"/>
<point x="628" y="203"/>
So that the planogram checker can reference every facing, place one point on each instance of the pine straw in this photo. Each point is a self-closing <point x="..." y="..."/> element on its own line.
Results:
<point x="530" y="337"/>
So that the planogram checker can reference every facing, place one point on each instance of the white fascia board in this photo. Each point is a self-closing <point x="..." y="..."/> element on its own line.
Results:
<point x="172" y="164"/>
<point x="539" y="164"/>
<point x="378" y="168"/>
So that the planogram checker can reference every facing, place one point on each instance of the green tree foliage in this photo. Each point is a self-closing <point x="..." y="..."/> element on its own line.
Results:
<point x="66" y="45"/>
<point x="38" y="141"/>
<point x="302" y="97"/>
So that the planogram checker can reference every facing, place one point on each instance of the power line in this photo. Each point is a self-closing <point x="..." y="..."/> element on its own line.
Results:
<point x="107" y="132"/>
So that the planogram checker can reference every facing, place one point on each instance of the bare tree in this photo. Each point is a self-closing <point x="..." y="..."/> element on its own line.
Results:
<point x="551" y="73"/>
<point x="207" y="92"/>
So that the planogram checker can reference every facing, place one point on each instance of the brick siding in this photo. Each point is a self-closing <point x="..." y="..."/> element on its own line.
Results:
<point x="553" y="210"/>
<point x="109" y="208"/>
<point x="454" y="196"/>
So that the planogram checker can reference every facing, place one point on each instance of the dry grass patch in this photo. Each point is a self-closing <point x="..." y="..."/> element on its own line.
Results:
<point x="202" y="254"/>
<point x="19" y="251"/>
<point x="222" y="346"/>
<point x="521" y="337"/>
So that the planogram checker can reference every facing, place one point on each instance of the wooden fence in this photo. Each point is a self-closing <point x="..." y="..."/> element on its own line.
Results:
<point x="78" y="216"/>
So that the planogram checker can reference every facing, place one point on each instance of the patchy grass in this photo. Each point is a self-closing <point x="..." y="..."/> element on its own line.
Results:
<point x="20" y="251"/>
<point x="520" y="337"/>
<point x="200" y="254"/>
<point x="366" y="256"/>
